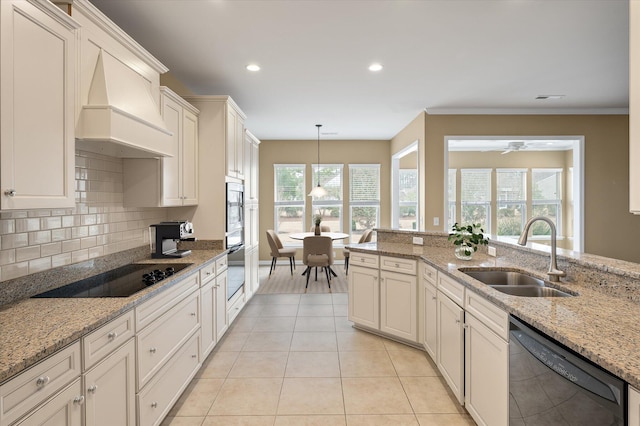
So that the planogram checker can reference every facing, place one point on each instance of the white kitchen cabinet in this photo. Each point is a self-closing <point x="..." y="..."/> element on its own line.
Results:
<point x="222" y="317"/>
<point x="634" y="407"/>
<point x="235" y="142"/>
<point x="167" y="181"/>
<point x="428" y="310"/>
<point x="37" y="145"/>
<point x="252" y="167"/>
<point x="207" y="309"/>
<point x="251" y="279"/>
<point x="252" y="220"/>
<point x="110" y="389"/>
<point x="63" y="409"/>
<point x="398" y="305"/>
<point x="364" y="296"/>
<point x="450" y="346"/>
<point x="634" y="106"/>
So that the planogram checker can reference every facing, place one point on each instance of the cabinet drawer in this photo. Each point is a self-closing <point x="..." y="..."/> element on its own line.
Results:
<point x="397" y="264"/>
<point x="24" y="392"/>
<point x="155" y="307"/>
<point x="158" y="342"/>
<point x="155" y="401"/>
<point x="451" y="288"/>
<point x="489" y="314"/>
<point x="105" y="339"/>
<point x="429" y="273"/>
<point x="207" y="273"/>
<point x="221" y="264"/>
<point x="363" y="259"/>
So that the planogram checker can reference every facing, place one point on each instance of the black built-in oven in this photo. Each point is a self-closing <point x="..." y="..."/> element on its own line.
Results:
<point x="235" y="238"/>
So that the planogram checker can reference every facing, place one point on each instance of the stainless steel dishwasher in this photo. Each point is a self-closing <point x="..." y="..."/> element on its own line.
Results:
<point x="551" y="385"/>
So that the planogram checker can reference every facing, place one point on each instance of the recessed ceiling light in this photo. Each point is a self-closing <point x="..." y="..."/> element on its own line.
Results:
<point x="544" y="97"/>
<point x="375" y="67"/>
<point x="253" y="67"/>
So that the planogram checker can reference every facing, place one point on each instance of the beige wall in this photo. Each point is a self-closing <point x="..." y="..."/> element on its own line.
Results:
<point x="169" y="80"/>
<point x="331" y="152"/>
<point x="606" y="169"/>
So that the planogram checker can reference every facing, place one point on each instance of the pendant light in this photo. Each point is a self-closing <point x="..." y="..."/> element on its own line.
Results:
<point x="318" y="191"/>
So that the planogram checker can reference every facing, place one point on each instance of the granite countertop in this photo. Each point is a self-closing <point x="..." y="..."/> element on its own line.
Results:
<point x="32" y="329"/>
<point x="599" y="326"/>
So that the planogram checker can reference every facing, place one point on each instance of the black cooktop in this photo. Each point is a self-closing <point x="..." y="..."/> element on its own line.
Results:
<point x="119" y="282"/>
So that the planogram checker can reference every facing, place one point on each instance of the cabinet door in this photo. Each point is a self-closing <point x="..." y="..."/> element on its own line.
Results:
<point x="222" y="319"/>
<point x="364" y="296"/>
<point x="634" y="407"/>
<point x="231" y="129"/>
<point x="189" y="170"/>
<point x="450" y="346"/>
<point x="110" y="389"/>
<point x="207" y="309"/>
<point x="63" y="409"/>
<point x="430" y="319"/>
<point x="486" y="375"/>
<point x="251" y="280"/>
<point x="37" y="106"/>
<point x="240" y="172"/>
<point x="398" y="305"/>
<point x="171" y="167"/>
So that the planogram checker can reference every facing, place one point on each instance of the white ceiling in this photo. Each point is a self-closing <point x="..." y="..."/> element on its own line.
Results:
<point x="448" y="56"/>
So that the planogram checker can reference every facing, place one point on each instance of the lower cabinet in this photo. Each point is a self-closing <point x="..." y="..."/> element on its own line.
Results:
<point x="364" y="296"/>
<point x="634" y="407"/>
<point x="221" y="315"/>
<point x="63" y="409"/>
<point x="398" y="305"/>
<point x="450" y="352"/>
<point x="110" y="389"/>
<point x="430" y="319"/>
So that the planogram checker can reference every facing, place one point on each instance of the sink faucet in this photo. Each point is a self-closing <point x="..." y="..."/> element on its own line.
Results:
<point x="554" y="273"/>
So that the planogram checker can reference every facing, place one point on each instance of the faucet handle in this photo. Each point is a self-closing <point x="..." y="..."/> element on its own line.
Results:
<point x="555" y="274"/>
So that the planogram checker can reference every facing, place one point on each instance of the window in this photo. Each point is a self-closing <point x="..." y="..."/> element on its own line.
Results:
<point x="329" y="206"/>
<point x="546" y="185"/>
<point x="511" y="202"/>
<point x="451" y="220"/>
<point x="408" y="198"/>
<point x="364" y="198"/>
<point x="475" y="197"/>
<point x="289" y="187"/>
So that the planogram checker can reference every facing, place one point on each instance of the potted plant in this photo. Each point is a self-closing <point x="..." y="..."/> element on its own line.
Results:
<point x="317" y="219"/>
<point x="467" y="238"/>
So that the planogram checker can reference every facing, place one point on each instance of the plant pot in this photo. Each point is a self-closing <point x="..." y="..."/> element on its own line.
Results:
<point x="464" y="252"/>
<point x="316" y="230"/>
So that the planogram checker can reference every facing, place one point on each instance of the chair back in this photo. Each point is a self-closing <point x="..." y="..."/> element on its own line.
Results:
<point x="366" y="236"/>
<point x="317" y="245"/>
<point x="273" y="238"/>
<point x="323" y="228"/>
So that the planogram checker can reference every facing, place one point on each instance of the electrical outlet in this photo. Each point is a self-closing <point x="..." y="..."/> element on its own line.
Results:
<point x="436" y="221"/>
<point x="491" y="251"/>
<point x="418" y="240"/>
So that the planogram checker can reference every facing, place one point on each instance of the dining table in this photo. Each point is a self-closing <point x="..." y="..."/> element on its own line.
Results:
<point x="334" y="236"/>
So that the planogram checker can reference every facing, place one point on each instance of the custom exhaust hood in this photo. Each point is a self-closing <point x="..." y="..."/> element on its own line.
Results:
<point x="121" y="117"/>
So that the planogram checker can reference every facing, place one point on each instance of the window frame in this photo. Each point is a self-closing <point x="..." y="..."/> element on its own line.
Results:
<point x="367" y="203"/>
<point x="301" y="204"/>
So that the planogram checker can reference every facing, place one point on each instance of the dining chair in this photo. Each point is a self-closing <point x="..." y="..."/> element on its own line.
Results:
<point x="364" y="238"/>
<point x="323" y="228"/>
<point x="317" y="252"/>
<point x="278" y="250"/>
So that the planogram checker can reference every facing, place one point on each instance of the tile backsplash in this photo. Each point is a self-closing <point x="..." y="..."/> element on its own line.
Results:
<point x="36" y="240"/>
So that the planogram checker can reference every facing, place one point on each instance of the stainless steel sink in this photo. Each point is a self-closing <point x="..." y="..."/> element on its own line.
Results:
<point x="515" y="283"/>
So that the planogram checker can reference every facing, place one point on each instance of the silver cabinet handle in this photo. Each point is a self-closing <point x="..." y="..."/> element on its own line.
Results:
<point x="10" y="192"/>
<point x="193" y="314"/>
<point x="433" y="298"/>
<point x="208" y="273"/>
<point x="112" y="335"/>
<point x="43" y="380"/>
<point x="79" y="400"/>
<point x="194" y="356"/>
<point x="153" y="350"/>
<point x="154" y="404"/>
<point x="457" y="321"/>
<point x="92" y="389"/>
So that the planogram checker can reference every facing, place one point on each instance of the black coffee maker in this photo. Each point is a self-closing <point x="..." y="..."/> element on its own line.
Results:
<point x="167" y="236"/>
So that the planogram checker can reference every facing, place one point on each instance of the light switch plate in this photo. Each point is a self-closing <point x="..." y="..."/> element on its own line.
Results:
<point x="418" y="240"/>
<point x="491" y="251"/>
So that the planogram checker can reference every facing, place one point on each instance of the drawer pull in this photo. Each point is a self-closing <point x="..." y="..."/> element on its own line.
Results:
<point x="208" y="273"/>
<point x="457" y="321"/>
<point x="10" y="192"/>
<point x="43" y="380"/>
<point x="433" y="298"/>
<point x="112" y="335"/>
<point x="153" y="350"/>
<point x="78" y="400"/>
<point x="193" y="314"/>
<point x="154" y="404"/>
<point x="194" y="356"/>
<point x="93" y="389"/>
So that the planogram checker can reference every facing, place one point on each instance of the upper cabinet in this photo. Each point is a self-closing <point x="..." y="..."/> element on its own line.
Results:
<point x="252" y="164"/>
<point x="37" y="157"/>
<point x="235" y="141"/>
<point x="634" y="106"/>
<point x="167" y="181"/>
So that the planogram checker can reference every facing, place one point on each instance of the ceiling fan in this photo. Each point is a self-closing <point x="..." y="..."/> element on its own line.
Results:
<point x="514" y="146"/>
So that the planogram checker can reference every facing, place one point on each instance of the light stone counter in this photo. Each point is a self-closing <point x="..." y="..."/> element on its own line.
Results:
<point x="32" y="329"/>
<point x="599" y="324"/>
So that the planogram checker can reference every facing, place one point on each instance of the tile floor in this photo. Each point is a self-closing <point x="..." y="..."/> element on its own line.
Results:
<point x="295" y="360"/>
